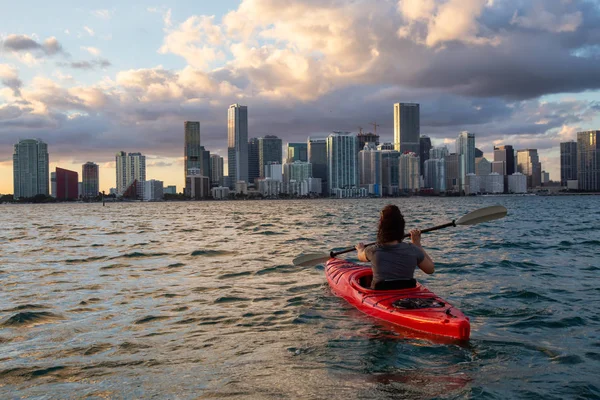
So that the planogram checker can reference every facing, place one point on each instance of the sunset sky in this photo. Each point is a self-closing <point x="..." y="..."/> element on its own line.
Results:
<point x="94" y="81"/>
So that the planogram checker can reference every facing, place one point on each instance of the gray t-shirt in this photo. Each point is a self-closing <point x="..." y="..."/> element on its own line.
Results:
<point x="395" y="262"/>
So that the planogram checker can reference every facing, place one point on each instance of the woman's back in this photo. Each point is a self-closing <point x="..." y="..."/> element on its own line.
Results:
<point x="394" y="262"/>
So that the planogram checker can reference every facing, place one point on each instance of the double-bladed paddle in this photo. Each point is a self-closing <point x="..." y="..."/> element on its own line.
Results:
<point x="474" y="217"/>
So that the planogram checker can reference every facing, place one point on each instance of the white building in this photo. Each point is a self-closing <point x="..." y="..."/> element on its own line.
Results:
<point x="435" y="175"/>
<point x="465" y="149"/>
<point x="153" y="190"/>
<point x="315" y="186"/>
<point x="197" y="186"/>
<point x="53" y="184"/>
<point x="131" y="167"/>
<point x="342" y="172"/>
<point x="349" y="193"/>
<point x="269" y="187"/>
<point x="370" y="169"/>
<point x="220" y="193"/>
<point x="408" y="172"/>
<point x="492" y="183"/>
<point x="517" y="183"/>
<point x="438" y="152"/>
<point x="297" y="170"/>
<point x="30" y="168"/>
<point x="274" y="171"/>
<point x="472" y="185"/>
<point x="241" y="187"/>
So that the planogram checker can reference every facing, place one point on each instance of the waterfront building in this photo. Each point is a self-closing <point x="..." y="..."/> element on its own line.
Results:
<point x="506" y="155"/>
<point x="452" y="173"/>
<point x="131" y="168"/>
<point x="342" y="170"/>
<point x="31" y="172"/>
<point x="349" y="193"/>
<point x="79" y="189"/>
<point x="192" y="151"/>
<point x="171" y="189"/>
<point x="220" y="193"/>
<point x="435" y="175"/>
<point x="296" y="152"/>
<point x="545" y="177"/>
<point x="315" y="186"/>
<point x="269" y="187"/>
<point x="407" y="127"/>
<point x="529" y="165"/>
<point x="568" y="162"/>
<point x="113" y="191"/>
<point x="269" y="151"/>
<point x="66" y="184"/>
<point x="385" y="146"/>
<point x="274" y="171"/>
<point x="197" y="186"/>
<point x="253" y="160"/>
<point x="408" y="172"/>
<point x="492" y="183"/>
<point x="296" y="188"/>
<point x="498" y="167"/>
<point x="438" y="152"/>
<point x="473" y="182"/>
<point x="424" y="149"/>
<point x="216" y="170"/>
<point x="370" y="169"/>
<point x="517" y="183"/>
<point x="364" y="138"/>
<point x="465" y="149"/>
<point x="241" y="187"/>
<point x="297" y="170"/>
<point x="90" y="180"/>
<point x="317" y="156"/>
<point x="390" y="163"/>
<point x="237" y="143"/>
<point x="153" y="190"/>
<point x="53" y="184"/>
<point x="482" y="166"/>
<point x="588" y="160"/>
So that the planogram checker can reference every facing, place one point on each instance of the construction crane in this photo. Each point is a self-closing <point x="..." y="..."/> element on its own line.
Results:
<point x="375" y="125"/>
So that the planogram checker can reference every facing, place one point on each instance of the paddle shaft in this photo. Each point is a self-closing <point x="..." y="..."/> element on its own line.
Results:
<point x="435" y="228"/>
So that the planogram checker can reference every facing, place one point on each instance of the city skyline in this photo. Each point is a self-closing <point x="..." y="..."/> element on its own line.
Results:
<point x="520" y="73"/>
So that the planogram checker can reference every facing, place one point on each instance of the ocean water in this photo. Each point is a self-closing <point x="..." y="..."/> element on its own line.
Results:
<point x="201" y="300"/>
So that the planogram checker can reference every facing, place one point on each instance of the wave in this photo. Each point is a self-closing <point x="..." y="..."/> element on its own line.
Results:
<point x="31" y="318"/>
<point x="211" y="253"/>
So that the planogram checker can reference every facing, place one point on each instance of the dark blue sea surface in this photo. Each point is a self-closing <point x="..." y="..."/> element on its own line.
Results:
<point x="201" y="300"/>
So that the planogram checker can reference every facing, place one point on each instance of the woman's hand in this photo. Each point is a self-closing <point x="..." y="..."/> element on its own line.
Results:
<point x="415" y="237"/>
<point x="360" y="247"/>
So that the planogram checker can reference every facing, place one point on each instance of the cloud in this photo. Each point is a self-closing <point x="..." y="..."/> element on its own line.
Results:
<point x="103" y="13"/>
<point x="92" y="50"/>
<point x="539" y="18"/>
<point x="89" y="30"/>
<point x="23" y="44"/>
<point x="100" y="63"/>
<point x="9" y="77"/>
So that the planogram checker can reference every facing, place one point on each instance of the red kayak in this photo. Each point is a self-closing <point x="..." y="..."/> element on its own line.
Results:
<point x="416" y="308"/>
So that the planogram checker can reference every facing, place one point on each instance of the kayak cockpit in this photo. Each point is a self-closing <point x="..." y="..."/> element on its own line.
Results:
<point x="361" y="281"/>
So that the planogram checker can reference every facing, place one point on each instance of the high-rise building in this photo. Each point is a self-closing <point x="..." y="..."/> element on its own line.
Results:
<point x="568" y="162"/>
<point x="498" y="167"/>
<point x="364" y="138"/>
<point x="528" y="163"/>
<point x="53" y="184"/>
<point x="465" y="149"/>
<point x="192" y="151"/>
<point x="341" y="161"/>
<point x="452" y="172"/>
<point x="588" y="160"/>
<point x="296" y="171"/>
<point x="90" y="179"/>
<point x="389" y="172"/>
<point x="482" y="166"/>
<point x="237" y="142"/>
<point x="408" y="172"/>
<point x="297" y="152"/>
<point x="30" y="168"/>
<point x="370" y="169"/>
<point x="131" y="168"/>
<point x="253" y="160"/>
<point x="545" y="177"/>
<point x="385" y="146"/>
<point x="407" y="127"/>
<point x="269" y="151"/>
<point x="216" y="169"/>
<point x="274" y="171"/>
<point x="424" y="148"/>
<point x="506" y="154"/>
<point x="317" y="156"/>
<point x="205" y="164"/>
<point x="66" y="184"/>
<point x="517" y="183"/>
<point x="153" y="190"/>
<point x="438" y="152"/>
<point x="478" y="153"/>
<point x="435" y="175"/>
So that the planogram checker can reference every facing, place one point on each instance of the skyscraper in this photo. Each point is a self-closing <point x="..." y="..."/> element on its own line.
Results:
<point x="389" y="172"/>
<point x="435" y="175"/>
<point x="364" y="138"/>
<point x="237" y="142"/>
<point x="424" y="147"/>
<point x="253" y="165"/>
<point x="192" y="156"/>
<point x="465" y="149"/>
<point x="408" y="172"/>
<point x="317" y="156"/>
<point x="452" y="162"/>
<point x="90" y="180"/>
<point x="438" y="153"/>
<point x="407" y="127"/>
<point x="131" y="168"/>
<point x="298" y="171"/>
<point x="370" y="169"/>
<point x="506" y="154"/>
<point x="528" y="163"/>
<point x="269" y="151"/>
<point x="568" y="162"/>
<point x="216" y="169"/>
<point x="588" y="160"/>
<point x="297" y="152"/>
<point x="66" y="184"/>
<point x="30" y="168"/>
<point x="341" y="161"/>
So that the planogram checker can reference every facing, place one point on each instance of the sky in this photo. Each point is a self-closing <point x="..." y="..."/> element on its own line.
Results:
<point x="91" y="81"/>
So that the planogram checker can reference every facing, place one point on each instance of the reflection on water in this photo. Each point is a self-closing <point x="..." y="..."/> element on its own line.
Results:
<point x="200" y="300"/>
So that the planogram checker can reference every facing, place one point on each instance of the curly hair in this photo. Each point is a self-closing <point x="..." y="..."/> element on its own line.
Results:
<point x="391" y="225"/>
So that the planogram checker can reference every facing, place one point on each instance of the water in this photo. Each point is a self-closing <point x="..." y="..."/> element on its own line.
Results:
<point x="200" y="300"/>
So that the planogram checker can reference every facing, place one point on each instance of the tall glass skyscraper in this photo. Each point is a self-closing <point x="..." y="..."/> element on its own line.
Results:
<point x="342" y="170"/>
<point x="297" y="152"/>
<point x="317" y="156"/>
<point x="588" y="160"/>
<point x="253" y="160"/>
<point x="568" y="162"/>
<point x="192" y="151"/>
<point x="237" y="144"/>
<point x="424" y="147"/>
<point x="269" y="151"/>
<point x="528" y="163"/>
<point x="30" y="168"/>
<point x="216" y="170"/>
<point x="465" y="149"/>
<point x="407" y="127"/>
<point x="505" y="154"/>
<point x="90" y="180"/>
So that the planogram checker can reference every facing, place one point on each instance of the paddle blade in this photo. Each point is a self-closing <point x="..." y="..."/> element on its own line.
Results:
<point x="308" y="260"/>
<point x="482" y="215"/>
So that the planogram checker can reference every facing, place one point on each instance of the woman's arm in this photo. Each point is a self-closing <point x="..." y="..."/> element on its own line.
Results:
<point x="426" y="265"/>
<point x="360" y="248"/>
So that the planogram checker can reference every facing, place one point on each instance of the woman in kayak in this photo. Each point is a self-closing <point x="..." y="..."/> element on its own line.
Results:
<point x="392" y="260"/>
